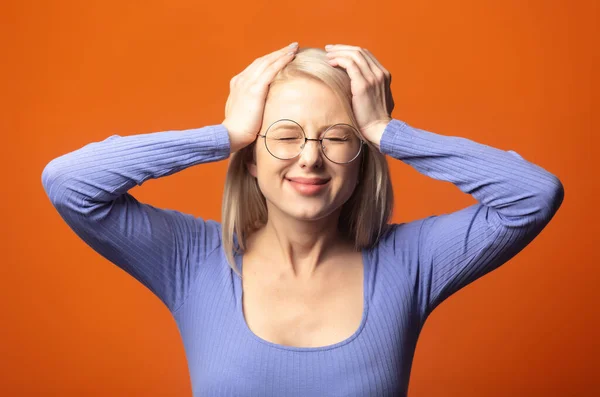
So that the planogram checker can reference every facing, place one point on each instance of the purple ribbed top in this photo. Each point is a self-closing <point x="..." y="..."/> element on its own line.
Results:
<point x="412" y="269"/>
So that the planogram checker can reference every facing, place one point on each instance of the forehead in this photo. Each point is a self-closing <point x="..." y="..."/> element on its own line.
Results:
<point x="305" y="101"/>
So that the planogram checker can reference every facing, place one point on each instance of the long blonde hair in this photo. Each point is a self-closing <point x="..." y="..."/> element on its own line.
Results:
<point x="363" y="218"/>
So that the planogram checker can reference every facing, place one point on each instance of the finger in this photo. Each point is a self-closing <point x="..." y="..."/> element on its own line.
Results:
<point x="266" y="77"/>
<point x="352" y="69"/>
<point x="368" y="55"/>
<point x="262" y="63"/>
<point x="368" y="69"/>
<point x="250" y="70"/>
<point x="388" y="77"/>
<point x="386" y="73"/>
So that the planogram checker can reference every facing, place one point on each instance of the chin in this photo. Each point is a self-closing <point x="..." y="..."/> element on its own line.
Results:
<point x="303" y="211"/>
<point x="308" y="212"/>
<point x="308" y="207"/>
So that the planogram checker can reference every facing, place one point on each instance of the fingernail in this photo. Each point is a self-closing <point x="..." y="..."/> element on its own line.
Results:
<point x="328" y="46"/>
<point x="294" y="44"/>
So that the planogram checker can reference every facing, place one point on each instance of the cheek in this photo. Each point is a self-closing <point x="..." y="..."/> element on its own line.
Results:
<point x="350" y="177"/>
<point x="269" y="170"/>
<point x="345" y="184"/>
<point x="345" y="191"/>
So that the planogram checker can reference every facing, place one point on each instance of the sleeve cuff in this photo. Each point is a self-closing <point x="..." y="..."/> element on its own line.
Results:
<point x="391" y="136"/>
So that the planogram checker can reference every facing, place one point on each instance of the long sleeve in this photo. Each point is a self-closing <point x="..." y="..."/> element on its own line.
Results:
<point x="161" y="248"/>
<point x="516" y="200"/>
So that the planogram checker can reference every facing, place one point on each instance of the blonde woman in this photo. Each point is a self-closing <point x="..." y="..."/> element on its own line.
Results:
<point x="304" y="289"/>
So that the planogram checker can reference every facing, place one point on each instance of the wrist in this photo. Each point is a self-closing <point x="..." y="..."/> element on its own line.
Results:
<point x="237" y="141"/>
<point x="376" y="132"/>
<point x="233" y="145"/>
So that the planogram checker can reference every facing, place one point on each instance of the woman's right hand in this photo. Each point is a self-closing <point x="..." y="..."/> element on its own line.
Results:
<point x="248" y="93"/>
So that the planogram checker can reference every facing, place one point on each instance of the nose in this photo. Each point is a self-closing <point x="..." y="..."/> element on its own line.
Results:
<point x="311" y="155"/>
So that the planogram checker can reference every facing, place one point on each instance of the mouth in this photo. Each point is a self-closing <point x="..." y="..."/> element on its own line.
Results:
<point x="308" y="186"/>
<point x="309" y="181"/>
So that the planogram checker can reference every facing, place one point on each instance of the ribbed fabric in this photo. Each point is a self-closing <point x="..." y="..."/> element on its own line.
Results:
<point x="413" y="268"/>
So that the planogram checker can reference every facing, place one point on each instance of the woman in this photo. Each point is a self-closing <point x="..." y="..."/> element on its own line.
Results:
<point x="333" y="297"/>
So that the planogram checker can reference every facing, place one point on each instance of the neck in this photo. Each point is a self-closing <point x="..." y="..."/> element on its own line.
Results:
<point x="296" y="247"/>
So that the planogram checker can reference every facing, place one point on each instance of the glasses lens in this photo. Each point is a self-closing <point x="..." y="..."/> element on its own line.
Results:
<point x="341" y="143"/>
<point x="284" y="139"/>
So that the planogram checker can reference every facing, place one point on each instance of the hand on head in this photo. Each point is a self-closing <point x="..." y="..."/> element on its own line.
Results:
<point x="372" y="101"/>
<point x="245" y="104"/>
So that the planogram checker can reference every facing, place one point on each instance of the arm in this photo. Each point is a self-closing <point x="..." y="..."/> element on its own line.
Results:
<point x="516" y="200"/>
<point x="161" y="248"/>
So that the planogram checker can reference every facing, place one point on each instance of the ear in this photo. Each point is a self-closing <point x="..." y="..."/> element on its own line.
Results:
<point x="251" y="162"/>
<point x="251" y="166"/>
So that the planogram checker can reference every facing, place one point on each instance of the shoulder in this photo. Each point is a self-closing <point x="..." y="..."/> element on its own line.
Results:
<point x="397" y="253"/>
<point x="206" y="235"/>
<point x="401" y="235"/>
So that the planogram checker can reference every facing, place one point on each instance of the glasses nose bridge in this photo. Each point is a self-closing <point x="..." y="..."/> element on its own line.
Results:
<point x="318" y="141"/>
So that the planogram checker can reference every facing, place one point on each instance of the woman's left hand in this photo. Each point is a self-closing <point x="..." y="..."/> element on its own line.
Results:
<point x="372" y="101"/>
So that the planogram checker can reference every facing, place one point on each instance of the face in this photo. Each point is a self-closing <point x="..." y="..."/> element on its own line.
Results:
<point x="315" y="107"/>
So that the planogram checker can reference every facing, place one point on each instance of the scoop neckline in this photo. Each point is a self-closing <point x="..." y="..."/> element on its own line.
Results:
<point x="242" y="319"/>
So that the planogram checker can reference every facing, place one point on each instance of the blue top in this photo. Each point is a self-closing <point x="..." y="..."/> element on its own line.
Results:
<point x="412" y="269"/>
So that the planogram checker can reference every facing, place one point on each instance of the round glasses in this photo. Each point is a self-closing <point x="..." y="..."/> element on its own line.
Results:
<point x="285" y="139"/>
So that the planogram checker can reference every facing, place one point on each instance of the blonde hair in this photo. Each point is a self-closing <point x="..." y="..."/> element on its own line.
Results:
<point x="363" y="218"/>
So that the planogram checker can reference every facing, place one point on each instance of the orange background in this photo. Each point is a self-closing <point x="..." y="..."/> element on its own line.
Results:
<point x="512" y="74"/>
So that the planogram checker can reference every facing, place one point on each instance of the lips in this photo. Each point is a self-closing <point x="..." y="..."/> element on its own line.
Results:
<point x="309" y="181"/>
<point x="308" y="186"/>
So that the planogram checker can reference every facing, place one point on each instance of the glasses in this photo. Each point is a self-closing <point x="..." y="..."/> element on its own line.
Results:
<point x="285" y="139"/>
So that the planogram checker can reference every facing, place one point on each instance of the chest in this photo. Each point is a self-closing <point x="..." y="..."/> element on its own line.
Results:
<point x="319" y="312"/>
